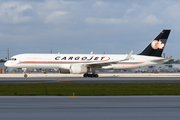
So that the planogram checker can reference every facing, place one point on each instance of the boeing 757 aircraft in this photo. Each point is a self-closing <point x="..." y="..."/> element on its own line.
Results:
<point x="87" y="63"/>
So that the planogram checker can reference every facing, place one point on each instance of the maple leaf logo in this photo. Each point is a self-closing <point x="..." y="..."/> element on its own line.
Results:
<point x="155" y="44"/>
<point x="159" y="45"/>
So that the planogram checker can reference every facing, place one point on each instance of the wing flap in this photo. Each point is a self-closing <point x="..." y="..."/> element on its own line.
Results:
<point x="100" y="64"/>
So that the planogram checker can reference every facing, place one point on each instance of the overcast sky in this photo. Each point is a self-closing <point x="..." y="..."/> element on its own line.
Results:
<point x="82" y="26"/>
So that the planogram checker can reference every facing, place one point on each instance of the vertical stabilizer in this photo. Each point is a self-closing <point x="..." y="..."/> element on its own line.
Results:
<point x="156" y="47"/>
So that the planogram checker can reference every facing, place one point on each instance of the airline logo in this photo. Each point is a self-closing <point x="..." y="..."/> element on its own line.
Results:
<point x="155" y="44"/>
<point x="84" y="58"/>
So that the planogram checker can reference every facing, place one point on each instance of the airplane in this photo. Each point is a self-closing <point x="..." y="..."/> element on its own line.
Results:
<point x="86" y="64"/>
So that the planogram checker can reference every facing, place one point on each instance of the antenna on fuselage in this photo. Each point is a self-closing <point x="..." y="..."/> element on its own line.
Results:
<point x="51" y="51"/>
<point x="91" y="53"/>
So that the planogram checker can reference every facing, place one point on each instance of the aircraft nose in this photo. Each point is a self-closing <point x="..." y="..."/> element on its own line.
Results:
<point x="7" y="63"/>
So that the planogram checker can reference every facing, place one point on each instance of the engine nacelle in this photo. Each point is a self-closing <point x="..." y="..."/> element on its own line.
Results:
<point x="78" y="69"/>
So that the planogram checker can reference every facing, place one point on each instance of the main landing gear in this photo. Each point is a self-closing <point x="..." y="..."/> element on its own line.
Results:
<point x="91" y="75"/>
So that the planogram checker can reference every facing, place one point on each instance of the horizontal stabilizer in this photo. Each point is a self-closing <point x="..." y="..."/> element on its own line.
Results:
<point x="163" y="60"/>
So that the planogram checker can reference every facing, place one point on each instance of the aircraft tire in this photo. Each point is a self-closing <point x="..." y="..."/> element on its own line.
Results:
<point x="85" y="75"/>
<point x="90" y="75"/>
<point x="96" y="75"/>
<point x="25" y="76"/>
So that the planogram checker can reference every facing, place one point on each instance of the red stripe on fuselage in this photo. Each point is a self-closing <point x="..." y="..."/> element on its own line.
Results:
<point x="74" y="63"/>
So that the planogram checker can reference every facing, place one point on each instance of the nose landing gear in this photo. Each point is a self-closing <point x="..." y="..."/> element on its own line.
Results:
<point x="24" y="71"/>
<point x="25" y="75"/>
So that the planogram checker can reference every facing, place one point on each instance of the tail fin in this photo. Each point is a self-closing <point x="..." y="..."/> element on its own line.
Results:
<point x="156" y="47"/>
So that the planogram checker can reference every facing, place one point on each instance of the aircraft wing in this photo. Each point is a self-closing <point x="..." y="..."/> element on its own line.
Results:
<point x="163" y="60"/>
<point x="100" y="64"/>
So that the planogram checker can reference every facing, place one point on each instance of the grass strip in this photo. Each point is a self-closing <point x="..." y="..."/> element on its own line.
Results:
<point x="88" y="89"/>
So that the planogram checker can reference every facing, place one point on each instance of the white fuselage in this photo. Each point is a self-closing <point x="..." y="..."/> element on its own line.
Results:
<point x="64" y="61"/>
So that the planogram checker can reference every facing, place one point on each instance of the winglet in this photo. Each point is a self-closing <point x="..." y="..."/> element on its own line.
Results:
<point x="129" y="56"/>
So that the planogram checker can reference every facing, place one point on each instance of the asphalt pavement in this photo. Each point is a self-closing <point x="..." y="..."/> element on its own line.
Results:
<point x="91" y="80"/>
<point x="90" y="107"/>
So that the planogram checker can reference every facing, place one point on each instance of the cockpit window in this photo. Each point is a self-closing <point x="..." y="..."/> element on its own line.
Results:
<point x="14" y="59"/>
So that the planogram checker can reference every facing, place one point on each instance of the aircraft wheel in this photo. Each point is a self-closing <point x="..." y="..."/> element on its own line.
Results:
<point x="85" y="75"/>
<point x="90" y="75"/>
<point x="96" y="75"/>
<point x="25" y="76"/>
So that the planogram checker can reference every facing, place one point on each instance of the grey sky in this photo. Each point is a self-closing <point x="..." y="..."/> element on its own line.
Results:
<point x="82" y="26"/>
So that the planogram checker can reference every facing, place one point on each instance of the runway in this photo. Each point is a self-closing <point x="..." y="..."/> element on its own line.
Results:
<point x="91" y="80"/>
<point x="90" y="107"/>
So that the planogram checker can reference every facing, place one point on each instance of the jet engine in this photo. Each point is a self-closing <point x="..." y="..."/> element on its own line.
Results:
<point x="78" y="69"/>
